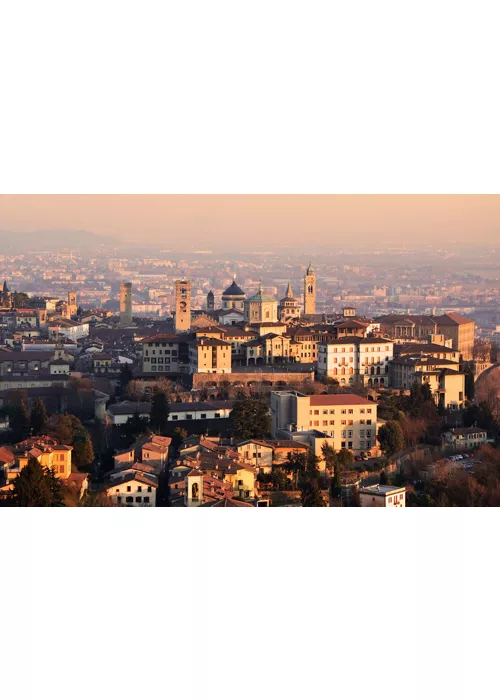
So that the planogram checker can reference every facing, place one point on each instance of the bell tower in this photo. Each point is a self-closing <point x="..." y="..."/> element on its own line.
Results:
<point x="182" y="306"/>
<point x="310" y="291"/>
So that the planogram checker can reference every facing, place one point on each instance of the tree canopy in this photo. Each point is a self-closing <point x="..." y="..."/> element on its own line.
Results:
<point x="250" y="419"/>
<point x="160" y="410"/>
<point x="37" y="486"/>
<point x="391" y="438"/>
<point x="38" y="417"/>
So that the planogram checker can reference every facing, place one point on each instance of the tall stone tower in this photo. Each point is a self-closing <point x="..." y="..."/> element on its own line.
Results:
<point x="182" y="305"/>
<point x="310" y="291"/>
<point x="72" y="303"/>
<point x="210" y="301"/>
<point x="125" y="303"/>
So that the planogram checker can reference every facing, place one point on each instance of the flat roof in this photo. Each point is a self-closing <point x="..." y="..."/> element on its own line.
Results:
<point x="380" y="490"/>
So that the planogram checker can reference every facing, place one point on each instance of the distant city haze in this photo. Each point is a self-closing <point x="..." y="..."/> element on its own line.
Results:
<point x="246" y="221"/>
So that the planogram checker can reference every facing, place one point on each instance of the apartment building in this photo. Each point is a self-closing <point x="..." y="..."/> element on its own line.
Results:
<point x="209" y="355"/>
<point x="354" y="360"/>
<point x="160" y="353"/>
<point x="348" y="420"/>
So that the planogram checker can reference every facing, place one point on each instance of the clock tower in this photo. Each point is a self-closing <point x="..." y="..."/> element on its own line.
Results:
<point x="182" y="306"/>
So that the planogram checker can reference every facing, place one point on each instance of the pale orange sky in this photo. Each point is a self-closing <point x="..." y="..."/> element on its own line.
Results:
<point x="280" y="219"/>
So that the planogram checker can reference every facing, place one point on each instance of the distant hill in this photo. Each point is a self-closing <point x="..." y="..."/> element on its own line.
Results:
<point x="50" y="239"/>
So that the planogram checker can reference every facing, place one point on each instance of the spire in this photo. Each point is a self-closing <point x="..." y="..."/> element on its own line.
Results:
<point x="289" y="292"/>
<point x="234" y="276"/>
<point x="5" y="288"/>
<point x="310" y="269"/>
<point x="261" y="289"/>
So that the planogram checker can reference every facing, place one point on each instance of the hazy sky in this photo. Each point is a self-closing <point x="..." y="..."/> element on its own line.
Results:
<point x="280" y="219"/>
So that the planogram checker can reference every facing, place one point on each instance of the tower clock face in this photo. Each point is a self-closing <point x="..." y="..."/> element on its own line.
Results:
<point x="183" y="291"/>
<point x="182" y="306"/>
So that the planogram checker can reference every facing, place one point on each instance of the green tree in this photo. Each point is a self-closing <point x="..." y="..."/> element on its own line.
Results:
<point x="38" y="417"/>
<point x="391" y="438"/>
<point x="470" y="387"/>
<point x="311" y="495"/>
<point x="134" y="427"/>
<point x="159" y="412"/>
<point x="37" y="486"/>
<point x="126" y="376"/>
<point x="19" y="420"/>
<point x="83" y="450"/>
<point x="481" y="416"/>
<point x="250" y="419"/>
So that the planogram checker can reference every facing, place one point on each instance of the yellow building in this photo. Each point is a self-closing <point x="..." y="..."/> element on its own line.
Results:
<point x="47" y="451"/>
<point x="209" y="355"/>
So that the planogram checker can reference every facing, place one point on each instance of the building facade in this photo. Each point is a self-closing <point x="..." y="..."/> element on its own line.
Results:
<point x="349" y="420"/>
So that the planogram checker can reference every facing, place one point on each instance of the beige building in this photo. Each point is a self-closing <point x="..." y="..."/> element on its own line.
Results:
<point x="382" y="497"/>
<point x="261" y="307"/>
<point x="209" y="355"/>
<point x="310" y="291"/>
<point x="349" y="420"/>
<point x="457" y="328"/>
<point x="446" y="382"/>
<point x="460" y="330"/>
<point x="465" y="438"/>
<point x="160" y="353"/>
<point x="182" y="306"/>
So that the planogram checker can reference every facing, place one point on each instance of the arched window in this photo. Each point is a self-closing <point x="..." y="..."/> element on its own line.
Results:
<point x="195" y="491"/>
<point x="267" y="314"/>
<point x="310" y="289"/>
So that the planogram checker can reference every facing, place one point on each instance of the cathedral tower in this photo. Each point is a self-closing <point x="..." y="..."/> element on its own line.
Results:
<point x="310" y="291"/>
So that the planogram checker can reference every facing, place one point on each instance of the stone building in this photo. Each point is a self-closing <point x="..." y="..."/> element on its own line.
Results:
<point x="261" y="307"/>
<point x="289" y="308"/>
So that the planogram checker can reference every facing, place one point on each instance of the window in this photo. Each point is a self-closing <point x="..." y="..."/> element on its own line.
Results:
<point x="342" y="444"/>
<point x="138" y="499"/>
<point x="343" y="411"/>
<point x="129" y="499"/>
<point x="129" y="489"/>
<point x="175" y="417"/>
<point x="350" y="445"/>
<point x="119" y="499"/>
<point x="351" y="411"/>
<point x="139" y="489"/>
<point x="149" y="489"/>
<point x="146" y="499"/>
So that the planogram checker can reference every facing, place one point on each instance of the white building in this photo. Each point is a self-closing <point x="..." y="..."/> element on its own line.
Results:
<point x="356" y="361"/>
<point x="465" y="438"/>
<point x="133" y="488"/>
<point x="382" y="496"/>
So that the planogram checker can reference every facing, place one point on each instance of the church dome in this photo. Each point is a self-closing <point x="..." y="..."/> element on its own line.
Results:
<point x="233" y="291"/>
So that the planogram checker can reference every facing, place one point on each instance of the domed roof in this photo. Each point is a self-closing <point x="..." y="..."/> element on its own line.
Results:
<point x="260" y="296"/>
<point x="234" y="291"/>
